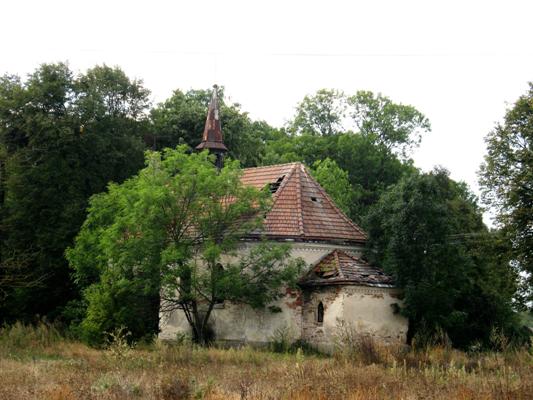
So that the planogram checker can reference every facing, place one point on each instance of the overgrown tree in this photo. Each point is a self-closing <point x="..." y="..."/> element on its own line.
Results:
<point x="64" y="138"/>
<point x="428" y="232"/>
<point x="167" y="231"/>
<point x="506" y="179"/>
<point x="367" y="135"/>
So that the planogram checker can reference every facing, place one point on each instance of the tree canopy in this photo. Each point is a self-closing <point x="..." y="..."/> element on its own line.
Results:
<point x="396" y="126"/>
<point x="63" y="138"/>
<point x="427" y="231"/>
<point x="181" y="119"/>
<point x="506" y="179"/>
<point x="166" y="231"/>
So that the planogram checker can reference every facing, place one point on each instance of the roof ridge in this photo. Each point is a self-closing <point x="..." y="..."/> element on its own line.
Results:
<point x="299" y="202"/>
<point x="273" y="165"/>
<point x="339" y="269"/>
<point x="282" y="185"/>
<point x="332" y="203"/>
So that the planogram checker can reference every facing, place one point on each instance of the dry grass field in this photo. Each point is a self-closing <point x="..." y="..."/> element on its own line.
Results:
<point x="37" y="363"/>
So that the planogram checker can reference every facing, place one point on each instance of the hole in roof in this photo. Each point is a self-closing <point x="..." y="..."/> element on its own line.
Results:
<point x="274" y="186"/>
<point x="314" y="199"/>
<point x="326" y="271"/>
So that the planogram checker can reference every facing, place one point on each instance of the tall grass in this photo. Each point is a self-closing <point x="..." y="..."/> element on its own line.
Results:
<point x="19" y="338"/>
<point x="361" y="369"/>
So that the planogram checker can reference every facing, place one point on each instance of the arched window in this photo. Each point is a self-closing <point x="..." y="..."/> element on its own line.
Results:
<point x="320" y="313"/>
<point x="219" y="272"/>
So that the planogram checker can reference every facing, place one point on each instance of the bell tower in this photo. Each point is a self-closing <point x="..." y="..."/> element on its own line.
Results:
<point x="212" y="137"/>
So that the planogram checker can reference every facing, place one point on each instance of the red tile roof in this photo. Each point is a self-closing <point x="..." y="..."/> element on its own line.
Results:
<point x="339" y="267"/>
<point x="301" y="208"/>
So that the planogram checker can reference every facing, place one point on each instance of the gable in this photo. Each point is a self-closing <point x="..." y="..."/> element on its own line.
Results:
<point x="301" y="208"/>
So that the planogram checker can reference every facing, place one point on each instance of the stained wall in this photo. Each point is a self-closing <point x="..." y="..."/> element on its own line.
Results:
<point x="368" y="309"/>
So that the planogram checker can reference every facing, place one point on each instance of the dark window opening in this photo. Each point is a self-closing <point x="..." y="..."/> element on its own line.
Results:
<point x="274" y="186"/>
<point x="320" y="313"/>
<point x="219" y="271"/>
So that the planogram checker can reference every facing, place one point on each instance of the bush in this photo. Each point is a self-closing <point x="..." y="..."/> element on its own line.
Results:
<point x="357" y="346"/>
<point x="281" y="341"/>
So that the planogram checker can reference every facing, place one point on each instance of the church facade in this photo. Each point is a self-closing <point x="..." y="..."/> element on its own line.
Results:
<point x="338" y="287"/>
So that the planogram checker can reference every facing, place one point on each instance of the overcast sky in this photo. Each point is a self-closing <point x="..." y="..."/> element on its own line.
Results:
<point x="461" y="63"/>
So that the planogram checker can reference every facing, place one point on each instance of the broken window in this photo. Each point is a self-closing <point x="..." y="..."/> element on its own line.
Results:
<point x="274" y="186"/>
<point x="320" y="313"/>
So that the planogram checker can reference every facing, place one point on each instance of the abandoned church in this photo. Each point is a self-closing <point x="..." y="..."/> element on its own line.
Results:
<point x="338" y="286"/>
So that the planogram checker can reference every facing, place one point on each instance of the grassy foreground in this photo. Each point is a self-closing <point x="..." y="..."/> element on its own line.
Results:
<point x="37" y="363"/>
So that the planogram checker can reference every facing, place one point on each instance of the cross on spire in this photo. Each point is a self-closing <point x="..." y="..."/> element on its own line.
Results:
<point x="212" y="137"/>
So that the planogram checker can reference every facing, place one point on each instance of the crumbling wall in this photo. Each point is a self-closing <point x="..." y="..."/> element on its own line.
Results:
<point x="237" y="323"/>
<point x="365" y="310"/>
<point x="321" y="335"/>
<point x="368" y="310"/>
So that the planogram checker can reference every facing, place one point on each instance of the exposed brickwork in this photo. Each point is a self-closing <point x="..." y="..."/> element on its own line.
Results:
<point x="314" y="332"/>
<point x="294" y="298"/>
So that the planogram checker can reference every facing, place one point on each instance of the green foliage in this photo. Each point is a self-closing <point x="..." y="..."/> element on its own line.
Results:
<point x="164" y="231"/>
<point x="63" y="138"/>
<point x="396" y="126"/>
<point x="320" y="114"/>
<point x="428" y="232"/>
<point x="181" y="119"/>
<point x="374" y="157"/>
<point x="370" y="167"/>
<point x="336" y="183"/>
<point x="506" y="179"/>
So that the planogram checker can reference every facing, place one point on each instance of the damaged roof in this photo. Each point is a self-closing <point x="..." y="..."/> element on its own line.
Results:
<point x="301" y="210"/>
<point x="339" y="267"/>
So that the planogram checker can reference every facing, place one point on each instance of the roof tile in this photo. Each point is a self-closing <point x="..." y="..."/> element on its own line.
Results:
<point x="301" y="208"/>
<point x="339" y="267"/>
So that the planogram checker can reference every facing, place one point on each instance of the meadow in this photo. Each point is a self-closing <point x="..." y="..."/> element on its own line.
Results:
<point x="39" y="363"/>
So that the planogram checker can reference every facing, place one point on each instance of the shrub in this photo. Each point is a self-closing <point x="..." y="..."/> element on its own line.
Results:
<point x="357" y="346"/>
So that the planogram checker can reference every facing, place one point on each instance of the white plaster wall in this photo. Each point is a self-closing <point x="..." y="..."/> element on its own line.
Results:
<point x="370" y="310"/>
<point x="367" y="309"/>
<point x="241" y="323"/>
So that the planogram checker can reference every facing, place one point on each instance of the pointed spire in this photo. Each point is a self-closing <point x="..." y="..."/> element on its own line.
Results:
<point x="212" y="137"/>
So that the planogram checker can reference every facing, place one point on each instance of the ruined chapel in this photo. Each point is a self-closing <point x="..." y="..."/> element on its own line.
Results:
<point x="338" y="286"/>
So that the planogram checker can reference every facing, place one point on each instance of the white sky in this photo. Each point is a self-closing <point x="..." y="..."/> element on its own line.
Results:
<point x="459" y="62"/>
